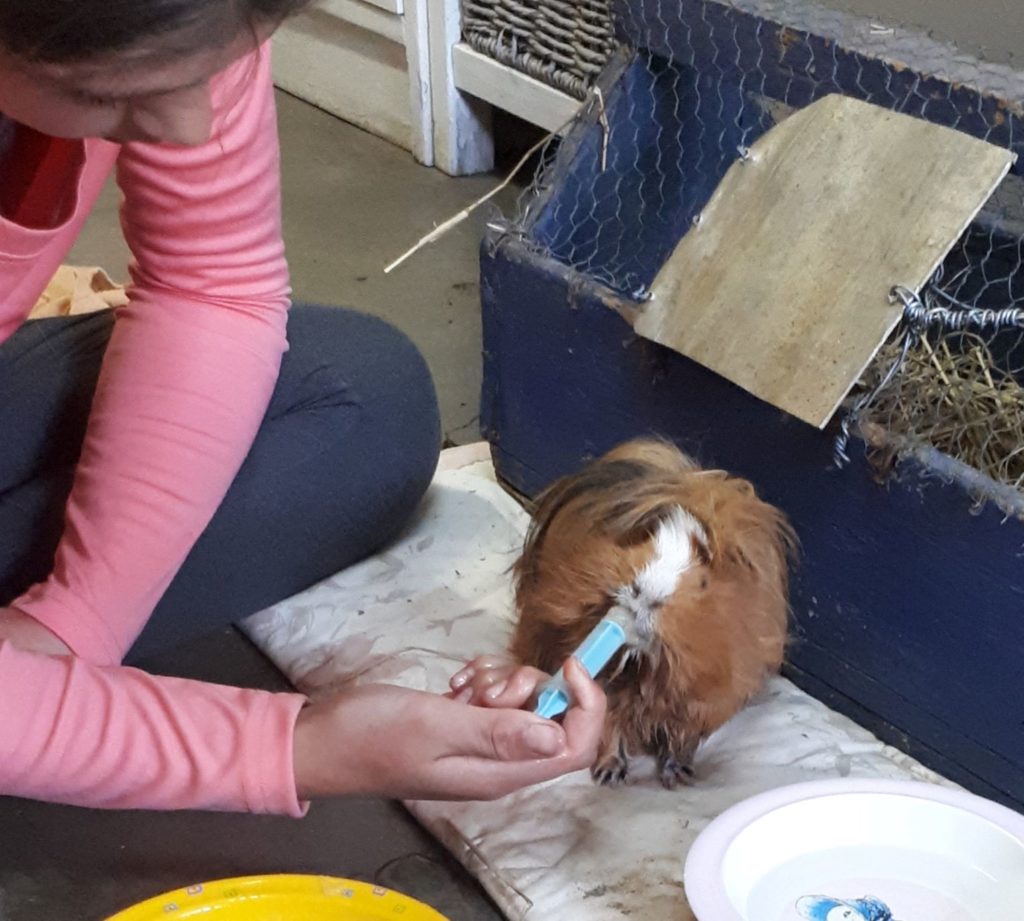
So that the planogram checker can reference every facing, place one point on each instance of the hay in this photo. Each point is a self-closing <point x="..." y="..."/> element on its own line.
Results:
<point x="951" y="395"/>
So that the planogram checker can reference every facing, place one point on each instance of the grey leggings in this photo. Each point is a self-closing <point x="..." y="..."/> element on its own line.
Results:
<point x="346" y="450"/>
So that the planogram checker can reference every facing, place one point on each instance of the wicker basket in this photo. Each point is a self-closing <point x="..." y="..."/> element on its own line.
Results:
<point x="563" y="43"/>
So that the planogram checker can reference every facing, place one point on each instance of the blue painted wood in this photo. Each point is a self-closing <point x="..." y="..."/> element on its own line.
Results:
<point x="909" y="609"/>
<point x="675" y="135"/>
<point x="765" y="56"/>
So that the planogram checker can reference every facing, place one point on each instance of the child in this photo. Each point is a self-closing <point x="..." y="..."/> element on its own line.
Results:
<point x="204" y="454"/>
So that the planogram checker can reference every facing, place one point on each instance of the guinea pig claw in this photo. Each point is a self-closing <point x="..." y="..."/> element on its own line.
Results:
<point x="610" y="772"/>
<point x="673" y="773"/>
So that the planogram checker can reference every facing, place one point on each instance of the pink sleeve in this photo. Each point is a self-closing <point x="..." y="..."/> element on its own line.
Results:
<point x="188" y="373"/>
<point x="117" y="738"/>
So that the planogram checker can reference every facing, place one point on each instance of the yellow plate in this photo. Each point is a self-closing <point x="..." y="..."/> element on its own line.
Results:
<point x="281" y="898"/>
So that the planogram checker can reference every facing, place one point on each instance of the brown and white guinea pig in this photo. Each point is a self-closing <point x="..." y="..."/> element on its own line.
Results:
<point x="702" y="564"/>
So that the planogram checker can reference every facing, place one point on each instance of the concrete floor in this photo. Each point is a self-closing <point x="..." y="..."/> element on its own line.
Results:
<point x="351" y="203"/>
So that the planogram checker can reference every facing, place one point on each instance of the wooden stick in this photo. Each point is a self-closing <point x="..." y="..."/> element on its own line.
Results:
<point x="457" y="219"/>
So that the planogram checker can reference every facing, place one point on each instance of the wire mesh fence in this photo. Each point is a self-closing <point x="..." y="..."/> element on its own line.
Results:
<point x="951" y="380"/>
<point x="699" y="81"/>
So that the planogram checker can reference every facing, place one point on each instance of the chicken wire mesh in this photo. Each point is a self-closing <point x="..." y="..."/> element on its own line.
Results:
<point x="950" y="381"/>
<point x="695" y="84"/>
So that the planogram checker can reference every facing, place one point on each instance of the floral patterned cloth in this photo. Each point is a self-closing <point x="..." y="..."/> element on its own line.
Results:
<point x="566" y="849"/>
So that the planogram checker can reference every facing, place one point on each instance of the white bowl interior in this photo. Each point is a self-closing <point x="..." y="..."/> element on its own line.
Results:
<point x="928" y="861"/>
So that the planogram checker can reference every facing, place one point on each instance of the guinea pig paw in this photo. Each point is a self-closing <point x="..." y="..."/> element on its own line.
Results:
<point x="672" y="773"/>
<point x="610" y="771"/>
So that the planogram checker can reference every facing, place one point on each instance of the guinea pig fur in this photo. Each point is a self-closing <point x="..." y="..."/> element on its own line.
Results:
<point x="700" y="561"/>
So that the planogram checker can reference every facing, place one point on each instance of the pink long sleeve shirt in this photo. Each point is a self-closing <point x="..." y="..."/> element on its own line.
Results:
<point x="185" y="383"/>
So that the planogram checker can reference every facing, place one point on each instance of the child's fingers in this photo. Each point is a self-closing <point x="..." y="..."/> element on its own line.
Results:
<point x="516" y="690"/>
<point x="461" y="678"/>
<point x="488" y="684"/>
<point x="586" y="693"/>
<point x="479" y="665"/>
<point x="584" y="721"/>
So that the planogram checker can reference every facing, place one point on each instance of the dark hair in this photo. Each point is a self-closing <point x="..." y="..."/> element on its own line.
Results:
<point x="59" y="31"/>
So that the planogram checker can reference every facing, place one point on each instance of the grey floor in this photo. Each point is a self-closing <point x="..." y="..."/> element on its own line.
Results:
<point x="351" y="202"/>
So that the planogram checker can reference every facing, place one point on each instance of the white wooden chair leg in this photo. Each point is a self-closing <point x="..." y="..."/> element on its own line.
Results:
<point x="416" y="23"/>
<point x="463" y="140"/>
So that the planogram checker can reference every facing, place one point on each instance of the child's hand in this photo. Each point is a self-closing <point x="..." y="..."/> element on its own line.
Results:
<point x="496" y="681"/>
<point x="390" y="741"/>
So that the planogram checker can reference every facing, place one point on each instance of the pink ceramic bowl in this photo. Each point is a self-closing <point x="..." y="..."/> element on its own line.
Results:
<point x="860" y="850"/>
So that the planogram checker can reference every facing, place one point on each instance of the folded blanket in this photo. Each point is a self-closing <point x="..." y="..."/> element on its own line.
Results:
<point x="566" y="849"/>
<point x="77" y="289"/>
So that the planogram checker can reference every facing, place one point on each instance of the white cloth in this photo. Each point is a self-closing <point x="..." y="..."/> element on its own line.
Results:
<point x="568" y="849"/>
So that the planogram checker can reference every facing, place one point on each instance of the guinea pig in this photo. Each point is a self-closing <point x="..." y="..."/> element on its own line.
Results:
<point x="698" y="560"/>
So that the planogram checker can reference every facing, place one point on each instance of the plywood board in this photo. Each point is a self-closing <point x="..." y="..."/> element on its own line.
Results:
<point x="783" y="285"/>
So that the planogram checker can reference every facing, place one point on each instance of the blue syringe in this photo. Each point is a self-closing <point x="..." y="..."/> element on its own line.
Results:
<point x="594" y="653"/>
